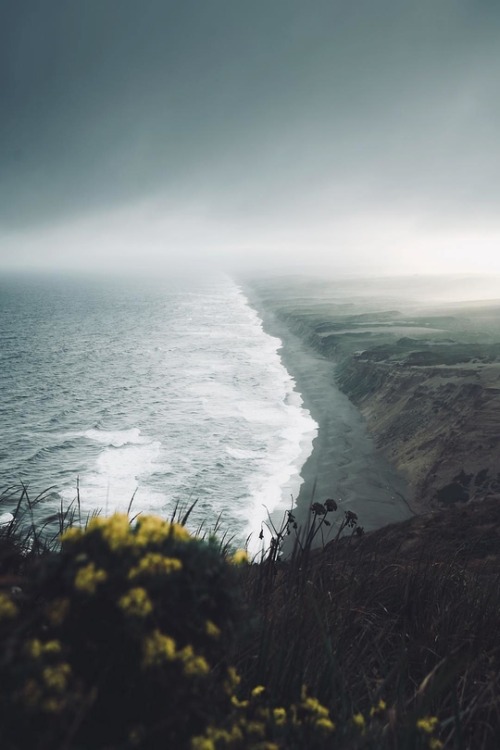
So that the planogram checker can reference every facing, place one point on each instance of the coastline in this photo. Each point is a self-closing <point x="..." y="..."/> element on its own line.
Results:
<point x="344" y="463"/>
<point x="423" y="376"/>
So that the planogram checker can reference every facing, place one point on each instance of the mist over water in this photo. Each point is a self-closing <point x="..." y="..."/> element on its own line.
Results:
<point x="172" y="392"/>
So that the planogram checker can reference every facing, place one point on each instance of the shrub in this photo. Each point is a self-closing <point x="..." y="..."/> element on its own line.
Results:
<point x="124" y="637"/>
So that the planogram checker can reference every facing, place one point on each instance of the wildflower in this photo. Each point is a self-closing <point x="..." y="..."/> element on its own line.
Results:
<point x="435" y="744"/>
<point x="57" y="611"/>
<point x="279" y="716"/>
<point x="8" y="610"/>
<point x="428" y="724"/>
<point x="56" y="678"/>
<point x="73" y="534"/>
<point x="239" y="704"/>
<point x="232" y="681"/>
<point x="255" y="728"/>
<point x="194" y="665"/>
<point x="157" y="648"/>
<point x="179" y="533"/>
<point x="312" y="704"/>
<point x="202" y="743"/>
<point x="155" y="564"/>
<point x="258" y="691"/>
<point x="154" y="530"/>
<point x="136" y="603"/>
<point x="351" y="518"/>
<point x="88" y="578"/>
<point x="52" y="647"/>
<point x="35" y="648"/>
<point x="326" y="724"/>
<point x="381" y="706"/>
<point x="53" y="705"/>
<point x="212" y="630"/>
<point x="239" y="558"/>
<point x="318" y="509"/>
<point x="359" y="720"/>
<point x="115" y="530"/>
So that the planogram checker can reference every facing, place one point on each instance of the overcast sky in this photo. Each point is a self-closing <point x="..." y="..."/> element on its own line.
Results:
<point x="359" y="135"/>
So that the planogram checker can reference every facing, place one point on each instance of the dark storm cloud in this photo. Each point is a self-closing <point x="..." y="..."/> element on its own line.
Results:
<point x="254" y="108"/>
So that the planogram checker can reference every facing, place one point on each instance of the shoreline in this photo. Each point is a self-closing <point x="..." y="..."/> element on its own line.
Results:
<point x="344" y="462"/>
<point x="422" y="376"/>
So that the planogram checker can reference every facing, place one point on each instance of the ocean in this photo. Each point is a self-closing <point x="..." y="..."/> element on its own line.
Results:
<point x="165" y="392"/>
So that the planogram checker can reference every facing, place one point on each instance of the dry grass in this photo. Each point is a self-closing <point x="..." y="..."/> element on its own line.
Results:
<point x="361" y="622"/>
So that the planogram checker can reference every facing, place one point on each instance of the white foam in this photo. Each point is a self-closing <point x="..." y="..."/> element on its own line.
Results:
<point x="118" y="472"/>
<point x="218" y="417"/>
<point x="116" y="438"/>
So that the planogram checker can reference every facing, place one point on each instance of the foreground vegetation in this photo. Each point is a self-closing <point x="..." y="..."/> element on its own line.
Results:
<point x="136" y="634"/>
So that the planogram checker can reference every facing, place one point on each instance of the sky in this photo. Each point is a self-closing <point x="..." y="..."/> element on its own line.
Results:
<point x="349" y="135"/>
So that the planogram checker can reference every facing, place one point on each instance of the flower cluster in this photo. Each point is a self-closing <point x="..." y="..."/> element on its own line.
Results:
<point x="129" y="618"/>
<point x="88" y="578"/>
<point x="255" y="724"/>
<point x="428" y="726"/>
<point x="8" y="609"/>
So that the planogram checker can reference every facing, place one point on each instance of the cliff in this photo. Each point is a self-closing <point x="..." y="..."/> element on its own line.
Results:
<point x="426" y="379"/>
<point x="439" y="425"/>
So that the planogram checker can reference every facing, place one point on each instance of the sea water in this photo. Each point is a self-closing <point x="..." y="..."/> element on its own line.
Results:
<point x="167" y="393"/>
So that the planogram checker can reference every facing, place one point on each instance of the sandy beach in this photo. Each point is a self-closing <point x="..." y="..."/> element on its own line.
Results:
<point x="345" y="463"/>
<point x="406" y="395"/>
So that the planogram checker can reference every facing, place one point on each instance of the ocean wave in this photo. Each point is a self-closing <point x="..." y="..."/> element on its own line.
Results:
<point x="117" y="438"/>
<point x="187" y="399"/>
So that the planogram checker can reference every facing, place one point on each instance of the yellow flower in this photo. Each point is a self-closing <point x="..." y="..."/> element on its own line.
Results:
<point x="52" y="705"/>
<point x="179" y="533"/>
<point x="155" y="564"/>
<point x="212" y="630"/>
<point x="157" y="648"/>
<point x="427" y="724"/>
<point x="57" y="611"/>
<point x="154" y="530"/>
<point x="115" y="530"/>
<point x="279" y="715"/>
<point x="202" y="743"/>
<point x="56" y="678"/>
<point x="381" y="706"/>
<point x="359" y="720"/>
<point x="194" y="665"/>
<point x="313" y="705"/>
<point x="8" y="610"/>
<point x="256" y="728"/>
<point x="35" y="648"/>
<point x="435" y="744"/>
<point x="71" y="535"/>
<point x="258" y="691"/>
<point x="136" y="603"/>
<point x="239" y="558"/>
<point x="239" y="704"/>
<point x="326" y="724"/>
<point x="88" y="578"/>
<point x="232" y="681"/>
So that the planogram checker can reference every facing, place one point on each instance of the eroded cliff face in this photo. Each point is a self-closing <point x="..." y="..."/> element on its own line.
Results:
<point x="439" y="425"/>
<point x="426" y="379"/>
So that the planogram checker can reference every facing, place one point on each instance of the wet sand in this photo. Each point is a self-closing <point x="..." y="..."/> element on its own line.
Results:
<point x="345" y="463"/>
<point x="406" y="394"/>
